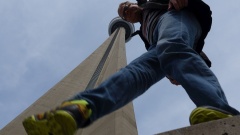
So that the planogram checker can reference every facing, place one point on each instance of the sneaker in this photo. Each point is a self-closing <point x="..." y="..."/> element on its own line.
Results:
<point x="64" y="120"/>
<point x="207" y="113"/>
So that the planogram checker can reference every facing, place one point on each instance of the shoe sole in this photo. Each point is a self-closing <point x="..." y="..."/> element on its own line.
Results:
<point x="201" y="114"/>
<point x="58" y="123"/>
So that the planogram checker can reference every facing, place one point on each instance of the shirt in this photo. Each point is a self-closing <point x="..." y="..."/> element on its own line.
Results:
<point x="150" y="20"/>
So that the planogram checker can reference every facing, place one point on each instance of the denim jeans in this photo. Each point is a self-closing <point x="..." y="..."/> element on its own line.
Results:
<point x="171" y="53"/>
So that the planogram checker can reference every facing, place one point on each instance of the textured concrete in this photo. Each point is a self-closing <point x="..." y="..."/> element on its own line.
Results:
<point x="228" y="126"/>
<point x="121" y="122"/>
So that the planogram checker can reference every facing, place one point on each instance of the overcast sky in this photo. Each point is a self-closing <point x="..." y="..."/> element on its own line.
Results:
<point x="41" y="41"/>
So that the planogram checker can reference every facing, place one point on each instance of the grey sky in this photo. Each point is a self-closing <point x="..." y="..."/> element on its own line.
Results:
<point x="41" y="41"/>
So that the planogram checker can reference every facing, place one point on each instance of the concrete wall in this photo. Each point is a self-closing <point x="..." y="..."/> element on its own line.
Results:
<point x="228" y="126"/>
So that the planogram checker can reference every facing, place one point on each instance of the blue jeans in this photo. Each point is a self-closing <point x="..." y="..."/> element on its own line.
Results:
<point x="171" y="53"/>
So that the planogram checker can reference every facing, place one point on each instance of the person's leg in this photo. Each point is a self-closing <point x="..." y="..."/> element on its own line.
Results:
<point x="85" y="107"/>
<point x="124" y="86"/>
<point x="177" y="33"/>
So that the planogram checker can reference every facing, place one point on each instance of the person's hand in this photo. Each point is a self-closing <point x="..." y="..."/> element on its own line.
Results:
<point x="173" y="81"/>
<point x="177" y="4"/>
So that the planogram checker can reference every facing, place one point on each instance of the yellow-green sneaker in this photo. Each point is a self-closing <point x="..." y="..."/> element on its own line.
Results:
<point x="207" y="113"/>
<point x="64" y="120"/>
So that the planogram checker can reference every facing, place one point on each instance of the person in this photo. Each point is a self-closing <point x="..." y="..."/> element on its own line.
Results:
<point x="172" y="35"/>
